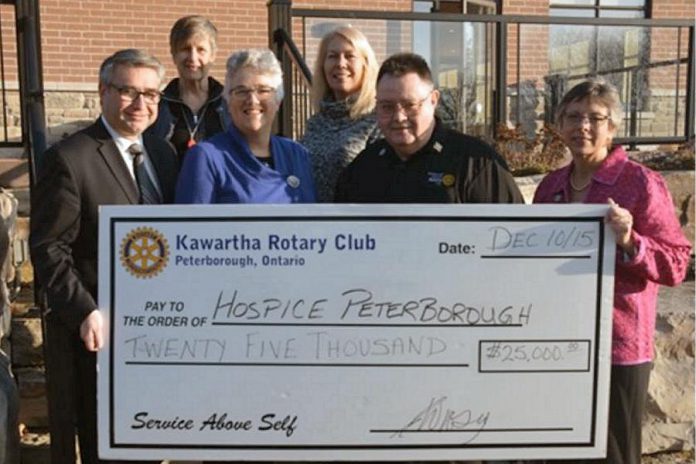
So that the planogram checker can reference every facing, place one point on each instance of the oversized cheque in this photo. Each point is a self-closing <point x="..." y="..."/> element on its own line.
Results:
<point x="354" y="332"/>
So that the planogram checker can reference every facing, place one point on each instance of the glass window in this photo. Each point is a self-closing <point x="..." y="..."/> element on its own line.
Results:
<point x="598" y="8"/>
<point x="621" y="14"/>
<point x="614" y="53"/>
<point x="457" y="6"/>
<point x="581" y="13"/>
<point x="460" y="55"/>
<point x="623" y="3"/>
<point x="572" y="2"/>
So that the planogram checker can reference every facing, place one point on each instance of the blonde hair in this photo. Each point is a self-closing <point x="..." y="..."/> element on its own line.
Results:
<point x="364" y="102"/>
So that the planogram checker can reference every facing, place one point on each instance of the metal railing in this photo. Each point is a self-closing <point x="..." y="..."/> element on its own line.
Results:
<point x="21" y="81"/>
<point x="633" y="95"/>
<point x="506" y="68"/>
<point x="296" y="107"/>
<point x="9" y="79"/>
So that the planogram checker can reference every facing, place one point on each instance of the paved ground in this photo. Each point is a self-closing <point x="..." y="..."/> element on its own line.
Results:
<point x="679" y="457"/>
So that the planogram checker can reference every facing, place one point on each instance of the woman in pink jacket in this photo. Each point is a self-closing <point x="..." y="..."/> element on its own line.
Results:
<point x="651" y="249"/>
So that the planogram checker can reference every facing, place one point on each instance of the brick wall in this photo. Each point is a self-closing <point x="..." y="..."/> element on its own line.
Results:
<point x="526" y="7"/>
<point x="9" y="41"/>
<point x="668" y="44"/>
<point x="673" y="9"/>
<point x="9" y="99"/>
<point x="78" y="35"/>
<point x="533" y="42"/>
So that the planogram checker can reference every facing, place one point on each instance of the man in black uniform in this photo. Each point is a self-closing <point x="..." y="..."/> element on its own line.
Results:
<point x="419" y="160"/>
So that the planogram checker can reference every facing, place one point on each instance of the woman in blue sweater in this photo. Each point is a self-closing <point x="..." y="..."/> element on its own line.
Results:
<point x="246" y="164"/>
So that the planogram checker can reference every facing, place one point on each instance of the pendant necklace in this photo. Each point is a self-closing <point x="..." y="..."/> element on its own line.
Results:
<point x="582" y="187"/>
<point x="197" y="121"/>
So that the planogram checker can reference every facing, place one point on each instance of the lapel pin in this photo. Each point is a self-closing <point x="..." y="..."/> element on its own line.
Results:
<point x="293" y="181"/>
<point x="448" y="180"/>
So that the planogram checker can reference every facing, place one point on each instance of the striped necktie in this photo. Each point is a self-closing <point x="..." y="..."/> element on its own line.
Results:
<point x="149" y="195"/>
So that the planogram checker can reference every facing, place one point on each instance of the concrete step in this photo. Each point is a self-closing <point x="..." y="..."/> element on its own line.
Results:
<point x="23" y="304"/>
<point x="14" y="172"/>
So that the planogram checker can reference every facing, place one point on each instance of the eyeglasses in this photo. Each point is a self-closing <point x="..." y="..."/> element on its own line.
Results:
<point x="387" y="109"/>
<point x="130" y="94"/>
<point x="262" y="93"/>
<point x="577" y="119"/>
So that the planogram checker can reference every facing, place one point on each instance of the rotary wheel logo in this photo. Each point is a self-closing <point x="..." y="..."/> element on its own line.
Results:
<point x="448" y="180"/>
<point x="144" y="252"/>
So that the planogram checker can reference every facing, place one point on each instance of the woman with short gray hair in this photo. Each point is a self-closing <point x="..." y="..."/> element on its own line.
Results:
<point x="192" y="108"/>
<point x="247" y="164"/>
<point x="263" y="61"/>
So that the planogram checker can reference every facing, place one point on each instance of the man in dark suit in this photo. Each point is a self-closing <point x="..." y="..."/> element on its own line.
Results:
<point x="110" y="162"/>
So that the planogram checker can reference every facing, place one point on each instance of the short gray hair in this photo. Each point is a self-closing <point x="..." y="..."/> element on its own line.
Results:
<point x="596" y="90"/>
<point x="261" y="60"/>
<point x="132" y="58"/>
<point x="190" y="26"/>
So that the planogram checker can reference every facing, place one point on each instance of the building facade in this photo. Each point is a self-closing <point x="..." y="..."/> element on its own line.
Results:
<point x="542" y="60"/>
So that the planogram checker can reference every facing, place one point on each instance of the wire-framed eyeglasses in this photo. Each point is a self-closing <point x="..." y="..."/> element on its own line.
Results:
<point x="263" y="93"/>
<point x="577" y="119"/>
<point x="130" y="94"/>
<point x="387" y="109"/>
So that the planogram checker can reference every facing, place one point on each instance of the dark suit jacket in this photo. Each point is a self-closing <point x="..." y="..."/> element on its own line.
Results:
<point x="81" y="173"/>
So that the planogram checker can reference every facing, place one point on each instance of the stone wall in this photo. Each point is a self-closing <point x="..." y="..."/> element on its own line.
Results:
<point x="66" y="112"/>
<point x="69" y="111"/>
<point x="13" y="120"/>
<point x="669" y="424"/>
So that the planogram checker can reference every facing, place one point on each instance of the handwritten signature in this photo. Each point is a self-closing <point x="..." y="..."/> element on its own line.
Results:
<point x="438" y="417"/>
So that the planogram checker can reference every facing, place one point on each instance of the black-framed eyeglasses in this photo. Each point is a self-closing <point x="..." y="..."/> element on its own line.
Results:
<point x="578" y="119"/>
<point x="130" y="94"/>
<point x="387" y="109"/>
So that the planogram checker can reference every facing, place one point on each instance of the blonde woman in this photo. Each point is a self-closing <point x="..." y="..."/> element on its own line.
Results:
<point x="343" y="93"/>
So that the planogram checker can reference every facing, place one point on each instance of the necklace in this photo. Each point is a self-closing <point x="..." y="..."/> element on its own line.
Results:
<point x="196" y="116"/>
<point x="582" y="187"/>
<point x="197" y="120"/>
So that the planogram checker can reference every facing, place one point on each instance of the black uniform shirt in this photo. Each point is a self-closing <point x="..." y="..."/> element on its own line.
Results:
<point x="450" y="168"/>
